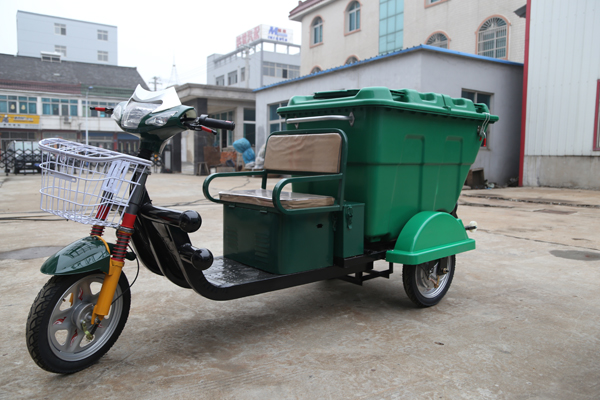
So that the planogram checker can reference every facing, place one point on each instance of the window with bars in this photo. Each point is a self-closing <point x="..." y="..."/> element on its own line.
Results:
<point x="316" y="31"/>
<point x="315" y="70"/>
<point x="438" y="40"/>
<point x="60" y="29"/>
<point x="353" y="17"/>
<point x="480" y="97"/>
<point x="492" y="38"/>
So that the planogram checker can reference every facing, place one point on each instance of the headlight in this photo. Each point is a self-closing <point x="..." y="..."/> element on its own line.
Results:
<point x="161" y="119"/>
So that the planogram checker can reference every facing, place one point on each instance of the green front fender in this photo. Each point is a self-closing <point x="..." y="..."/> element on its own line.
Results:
<point x="83" y="255"/>
<point x="430" y="235"/>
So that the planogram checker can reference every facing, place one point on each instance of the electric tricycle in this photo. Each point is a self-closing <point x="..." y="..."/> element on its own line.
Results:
<point x="375" y="174"/>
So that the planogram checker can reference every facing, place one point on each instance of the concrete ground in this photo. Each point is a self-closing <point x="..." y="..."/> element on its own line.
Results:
<point x="521" y="320"/>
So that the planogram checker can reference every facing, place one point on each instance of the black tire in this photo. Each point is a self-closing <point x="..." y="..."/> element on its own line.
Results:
<point x="419" y="289"/>
<point x="51" y="310"/>
<point x="17" y="171"/>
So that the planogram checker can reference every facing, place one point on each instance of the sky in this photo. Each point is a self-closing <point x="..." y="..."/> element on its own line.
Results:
<point x="154" y="35"/>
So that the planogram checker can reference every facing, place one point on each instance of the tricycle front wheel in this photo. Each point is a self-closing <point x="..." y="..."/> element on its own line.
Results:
<point x="426" y="284"/>
<point x="55" y="336"/>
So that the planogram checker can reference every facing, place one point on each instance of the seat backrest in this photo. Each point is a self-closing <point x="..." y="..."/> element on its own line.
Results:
<point x="320" y="153"/>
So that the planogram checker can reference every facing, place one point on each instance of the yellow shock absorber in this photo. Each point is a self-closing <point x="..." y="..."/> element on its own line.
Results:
<point x="107" y="293"/>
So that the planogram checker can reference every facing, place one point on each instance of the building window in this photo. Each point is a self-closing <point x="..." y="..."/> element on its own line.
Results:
<point x="102" y="35"/>
<point x="220" y="81"/>
<point x="59" y="107"/>
<point x="20" y="104"/>
<point x="27" y="105"/>
<point x="60" y="29"/>
<point x="276" y="123"/>
<point x="232" y="78"/>
<point x="242" y="74"/>
<point x="8" y="104"/>
<point x="315" y="70"/>
<point x="491" y="38"/>
<point x="438" y="40"/>
<point x="479" y="97"/>
<point x="391" y="25"/>
<point x="351" y="60"/>
<point x="353" y="17"/>
<point x="317" y="31"/>
<point x="102" y="55"/>
<point x="284" y="71"/>
<point x="250" y="125"/>
<point x="223" y="138"/>
<point x="61" y="49"/>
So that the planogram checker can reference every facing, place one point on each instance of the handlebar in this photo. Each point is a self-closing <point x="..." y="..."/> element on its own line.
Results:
<point x="107" y="110"/>
<point x="215" y="123"/>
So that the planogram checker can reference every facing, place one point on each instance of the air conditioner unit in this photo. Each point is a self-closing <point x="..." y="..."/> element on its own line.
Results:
<point x="67" y="120"/>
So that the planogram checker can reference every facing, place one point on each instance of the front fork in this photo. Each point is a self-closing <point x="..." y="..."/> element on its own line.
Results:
<point x="117" y="258"/>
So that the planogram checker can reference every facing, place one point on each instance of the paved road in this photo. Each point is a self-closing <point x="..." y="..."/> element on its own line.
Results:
<point x="520" y="321"/>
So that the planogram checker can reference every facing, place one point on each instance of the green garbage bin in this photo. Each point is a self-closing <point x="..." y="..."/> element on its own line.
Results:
<point x="407" y="151"/>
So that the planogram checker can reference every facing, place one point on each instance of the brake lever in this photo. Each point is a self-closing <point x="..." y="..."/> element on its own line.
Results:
<point x="207" y="129"/>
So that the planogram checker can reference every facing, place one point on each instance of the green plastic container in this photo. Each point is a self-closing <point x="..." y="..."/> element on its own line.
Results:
<point x="407" y="151"/>
<point x="281" y="244"/>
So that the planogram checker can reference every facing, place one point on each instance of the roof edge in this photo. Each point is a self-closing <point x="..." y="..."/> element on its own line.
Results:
<point x="422" y="47"/>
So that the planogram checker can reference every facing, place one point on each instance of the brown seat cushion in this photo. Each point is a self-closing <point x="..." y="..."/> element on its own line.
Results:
<point x="263" y="197"/>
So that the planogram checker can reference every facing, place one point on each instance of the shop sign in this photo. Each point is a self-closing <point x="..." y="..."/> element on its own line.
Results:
<point x="264" y="32"/>
<point x="19" y="121"/>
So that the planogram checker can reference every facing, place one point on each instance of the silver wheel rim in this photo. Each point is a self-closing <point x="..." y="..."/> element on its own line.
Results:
<point x="65" y="334"/>
<point x="426" y="274"/>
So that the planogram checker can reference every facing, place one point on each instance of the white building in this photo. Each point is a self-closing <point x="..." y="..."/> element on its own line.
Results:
<point x="560" y="143"/>
<point x="73" y="40"/>
<point x="465" y="75"/>
<point x="44" y="99"/>
<point x="264" y="55"/>
<point x="338" y="32"/>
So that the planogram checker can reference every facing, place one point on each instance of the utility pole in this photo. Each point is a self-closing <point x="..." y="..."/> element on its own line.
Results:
<point x="155" y="81"/>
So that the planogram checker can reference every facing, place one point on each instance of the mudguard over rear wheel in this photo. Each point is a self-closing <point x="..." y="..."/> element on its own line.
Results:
<point x="55" y="337"/>
<point x="426" y="284"/>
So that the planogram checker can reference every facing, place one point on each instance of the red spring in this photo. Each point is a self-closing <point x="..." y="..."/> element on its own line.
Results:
<point x="120" y="248"/>
<point x="97" y="230"/>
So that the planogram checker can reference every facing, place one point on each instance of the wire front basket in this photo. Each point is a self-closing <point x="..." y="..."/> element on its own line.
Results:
<point x="87" y="184"/>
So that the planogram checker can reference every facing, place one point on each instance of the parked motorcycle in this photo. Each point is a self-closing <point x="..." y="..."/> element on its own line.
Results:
<point x="272" y="239"/>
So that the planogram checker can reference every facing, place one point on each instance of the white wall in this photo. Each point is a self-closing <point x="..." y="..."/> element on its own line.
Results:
<point x="420" y="70"/>
<point x="564" y="67"/>
<point x="460" y="20"/>
<point x="35" y="33"/>
<point x="337" y="46"/>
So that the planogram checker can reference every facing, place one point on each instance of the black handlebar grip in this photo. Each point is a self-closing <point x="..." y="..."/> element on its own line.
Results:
<point x="216" y="123"/>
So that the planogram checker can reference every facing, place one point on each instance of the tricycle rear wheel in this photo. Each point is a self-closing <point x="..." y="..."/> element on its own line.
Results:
<point x="55" y="338"/>
<point x="426" y="284"/>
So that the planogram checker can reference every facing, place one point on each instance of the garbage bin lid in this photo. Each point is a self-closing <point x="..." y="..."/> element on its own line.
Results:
<point x="404" y="99"/>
